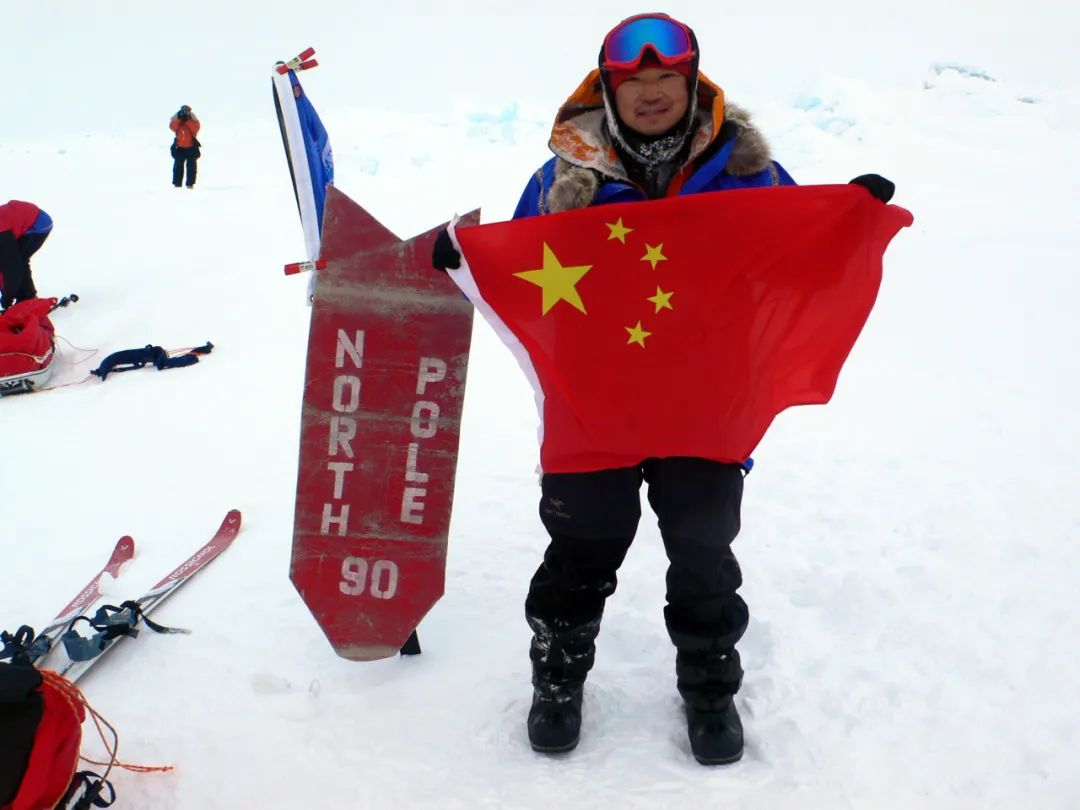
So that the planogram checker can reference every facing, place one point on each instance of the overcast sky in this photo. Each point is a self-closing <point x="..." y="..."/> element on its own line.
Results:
<point x="116" y="64"/>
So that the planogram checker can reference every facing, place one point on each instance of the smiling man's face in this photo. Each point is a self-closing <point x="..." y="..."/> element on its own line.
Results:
<point x="652" y="101"/>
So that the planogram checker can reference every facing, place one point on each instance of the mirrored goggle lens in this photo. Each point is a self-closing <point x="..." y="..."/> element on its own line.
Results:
<point x="668" y="38"/>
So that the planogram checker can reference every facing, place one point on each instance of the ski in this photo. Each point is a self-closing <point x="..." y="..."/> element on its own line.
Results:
<point x="46" y="640"/>
<point x="124" y="620"/>
<point x="122" y="553"/>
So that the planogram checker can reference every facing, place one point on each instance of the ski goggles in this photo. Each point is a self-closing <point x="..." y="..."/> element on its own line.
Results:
<point x="669" y="39"/>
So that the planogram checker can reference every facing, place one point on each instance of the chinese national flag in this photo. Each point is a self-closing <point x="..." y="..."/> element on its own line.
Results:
<point x="683" y="326"/>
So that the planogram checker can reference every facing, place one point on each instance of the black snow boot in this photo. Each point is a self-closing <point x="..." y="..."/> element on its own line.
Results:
<point x="716" y="737"/>
<point x="709" y="674"/>
<point x="555" y="722"/>
<point x="562" y="656"/>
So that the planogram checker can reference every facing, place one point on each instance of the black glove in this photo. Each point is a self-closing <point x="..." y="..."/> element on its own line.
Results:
<point x="6" y="301"/>
<point x="877" y="185"/>
<point x="444" y="255"/>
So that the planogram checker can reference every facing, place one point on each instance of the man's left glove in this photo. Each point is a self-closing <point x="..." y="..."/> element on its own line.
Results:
<point x="444" y="255"/>
<point x="877" y="185"/>
<point x="6" y="301"/>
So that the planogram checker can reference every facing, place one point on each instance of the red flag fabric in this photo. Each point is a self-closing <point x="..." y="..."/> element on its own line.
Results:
<point x="683" y="326"/>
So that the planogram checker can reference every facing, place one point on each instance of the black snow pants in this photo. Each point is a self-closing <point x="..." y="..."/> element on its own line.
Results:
<point x="17" y="278"/>
<point x="185" y="156"/>
<point x="592" y="519"/>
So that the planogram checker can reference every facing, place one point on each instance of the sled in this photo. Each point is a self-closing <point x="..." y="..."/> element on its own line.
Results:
<point x="27" y="346"/>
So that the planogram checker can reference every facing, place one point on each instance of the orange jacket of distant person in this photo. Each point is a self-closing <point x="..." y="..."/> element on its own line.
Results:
<point x="185" y="130"/>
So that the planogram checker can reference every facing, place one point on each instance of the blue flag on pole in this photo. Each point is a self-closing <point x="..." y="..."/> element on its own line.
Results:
<point x="307" y="148"/>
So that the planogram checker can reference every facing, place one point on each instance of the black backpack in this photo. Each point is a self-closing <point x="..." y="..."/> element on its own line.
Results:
<point x="21" y="707"/>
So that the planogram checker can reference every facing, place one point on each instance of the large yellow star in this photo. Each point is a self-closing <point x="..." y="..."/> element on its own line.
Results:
<point x="637" y="335"/>
<point x="556" y="281"/>
<point x="618" y="230"/>
<point x="653" y="254"/>
<point x="662" y="299"/>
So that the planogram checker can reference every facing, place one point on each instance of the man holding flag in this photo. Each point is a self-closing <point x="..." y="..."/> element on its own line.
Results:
<point x="662" y="338"/>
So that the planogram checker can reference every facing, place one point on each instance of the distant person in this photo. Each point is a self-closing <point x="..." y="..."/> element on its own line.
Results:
<point x="185" y="148"/>
<point x="23" y="230"/>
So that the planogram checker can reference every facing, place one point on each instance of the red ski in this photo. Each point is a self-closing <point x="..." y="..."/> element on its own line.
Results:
<point x="122" y="553"/>
<point x="85" y="599"/>
<point x="131" y="613"/>
<point x="193" y="564"/>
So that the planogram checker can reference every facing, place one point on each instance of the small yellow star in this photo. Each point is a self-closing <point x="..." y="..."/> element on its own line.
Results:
<point x="661" y="299"/>
<point x="556" y="281"/>
<point x="637" y="335"/>
<point x="618" y="230"/>
<point x="653" y="254"/>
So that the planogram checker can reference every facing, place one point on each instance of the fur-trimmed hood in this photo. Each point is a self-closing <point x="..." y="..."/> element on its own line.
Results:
<point x="586" y="154"/>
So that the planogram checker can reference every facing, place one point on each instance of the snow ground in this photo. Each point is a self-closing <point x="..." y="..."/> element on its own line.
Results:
<point x="907" y="549"/>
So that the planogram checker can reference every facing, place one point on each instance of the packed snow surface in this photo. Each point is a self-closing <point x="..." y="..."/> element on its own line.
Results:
<point x="909" y="549"/>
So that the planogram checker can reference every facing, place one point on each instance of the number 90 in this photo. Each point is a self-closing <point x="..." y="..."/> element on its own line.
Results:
<point x="354" y="577"/>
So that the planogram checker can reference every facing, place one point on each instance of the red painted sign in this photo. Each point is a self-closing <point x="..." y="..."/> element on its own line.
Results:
<point x="388" y="352"/>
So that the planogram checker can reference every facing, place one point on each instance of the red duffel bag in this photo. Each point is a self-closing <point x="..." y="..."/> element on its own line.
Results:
<point x="27" y="340"/>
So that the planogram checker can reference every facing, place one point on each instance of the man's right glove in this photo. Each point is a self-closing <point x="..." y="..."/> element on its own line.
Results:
<point x="444" y="255"/>
<point x="6" y="301"/>
<point x="877" y="185"/>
